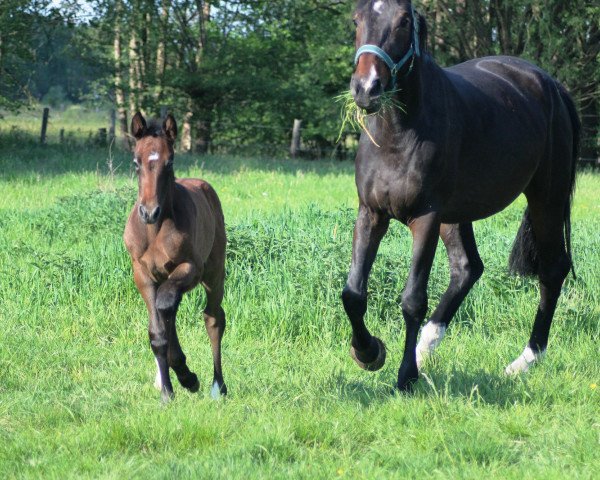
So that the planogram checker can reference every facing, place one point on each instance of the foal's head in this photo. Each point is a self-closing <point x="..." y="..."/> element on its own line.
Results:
<point x="384" y="28"/>
<point x="153" y="159"/>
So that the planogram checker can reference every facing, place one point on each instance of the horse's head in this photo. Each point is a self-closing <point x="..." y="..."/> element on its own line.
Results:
<point x="387" y="42"/>
<point x="153" y="159"/>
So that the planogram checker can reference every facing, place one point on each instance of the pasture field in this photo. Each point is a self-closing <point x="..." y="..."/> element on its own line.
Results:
<point x="76" y="371"/>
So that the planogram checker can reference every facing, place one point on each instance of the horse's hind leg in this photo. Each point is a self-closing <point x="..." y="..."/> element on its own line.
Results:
<point x="553" y="265"/>
<point x="466" y="268"/>
<point x="214" y="320"/>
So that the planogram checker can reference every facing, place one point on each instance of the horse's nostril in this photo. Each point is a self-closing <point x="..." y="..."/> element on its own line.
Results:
<point x="143" y="212"/>
<point x="376" y="89"/>
<point x="155" y="214"/>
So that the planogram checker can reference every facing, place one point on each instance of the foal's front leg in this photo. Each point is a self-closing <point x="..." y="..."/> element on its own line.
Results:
<point x="425" y="231"/>
<point x="156" y="331"/>
<point x="168" y="298"/>
<point x="371" y="226"/>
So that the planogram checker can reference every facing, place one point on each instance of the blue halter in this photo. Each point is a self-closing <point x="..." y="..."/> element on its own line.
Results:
<point x="414" y="50"/>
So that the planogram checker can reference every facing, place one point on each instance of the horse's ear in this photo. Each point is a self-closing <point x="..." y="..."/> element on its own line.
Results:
<point x="170" y="128"/>
<point x="422" y="32"/>
<point x="138" y="126"/>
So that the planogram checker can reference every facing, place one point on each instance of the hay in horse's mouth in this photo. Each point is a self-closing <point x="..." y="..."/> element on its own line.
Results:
<point x="355" y="117"/>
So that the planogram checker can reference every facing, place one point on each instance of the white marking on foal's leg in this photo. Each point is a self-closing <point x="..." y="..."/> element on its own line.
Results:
<point x="524" y="361"/>
<point x="157" y="379"/>
<point x="431" y="336"/>
<point x="215" y="391"/>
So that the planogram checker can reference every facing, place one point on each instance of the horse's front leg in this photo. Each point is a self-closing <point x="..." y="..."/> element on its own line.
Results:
<point x="371" y="226"/>
<point x="168" y="298"/>
<point x="425" y="231"/>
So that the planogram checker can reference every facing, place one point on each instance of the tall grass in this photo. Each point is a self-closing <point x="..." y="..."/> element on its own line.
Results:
<point x="76" y="396"/>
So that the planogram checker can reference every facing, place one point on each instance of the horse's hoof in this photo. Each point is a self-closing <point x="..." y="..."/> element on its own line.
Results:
<point x="166" y="396"/>
<point x="524" y="361"/>
<point x="217" y="392"/>
<point x="372" y="359"/>
<point x="407" y="377"/>
<point x="191" y="383"/>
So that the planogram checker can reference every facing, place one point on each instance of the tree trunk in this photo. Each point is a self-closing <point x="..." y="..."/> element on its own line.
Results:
<point x="202" y="137"/>
<point x="161" y="51"/>
<point x="134" y="104"/>
<point x="119" y="93"/>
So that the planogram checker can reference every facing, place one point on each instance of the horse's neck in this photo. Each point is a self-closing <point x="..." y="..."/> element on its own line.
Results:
<point x="412" y="96"/>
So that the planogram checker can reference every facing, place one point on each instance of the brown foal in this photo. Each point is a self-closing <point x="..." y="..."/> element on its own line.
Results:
<point x="176" y="238"/>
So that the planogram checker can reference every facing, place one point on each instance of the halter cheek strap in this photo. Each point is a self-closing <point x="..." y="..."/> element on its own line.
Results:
<point x="414" y="50"/>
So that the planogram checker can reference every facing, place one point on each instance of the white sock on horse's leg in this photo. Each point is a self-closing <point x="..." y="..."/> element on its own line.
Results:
<point x="157" y="379"/>
<point x="431" y="336"/>
<point x="524" y="361"/>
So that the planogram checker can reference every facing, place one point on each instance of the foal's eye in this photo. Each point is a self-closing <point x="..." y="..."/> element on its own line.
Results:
<point x="355" y="22"/>
<point x="136" y="164"/>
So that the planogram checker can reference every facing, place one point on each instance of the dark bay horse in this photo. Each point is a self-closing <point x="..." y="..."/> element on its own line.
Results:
<point x="176" y="238"/>
<point x="471" y="138"/>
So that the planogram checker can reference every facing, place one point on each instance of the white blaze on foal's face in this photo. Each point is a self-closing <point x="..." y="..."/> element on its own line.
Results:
<point x="154" y="157"/>
<point x="378" y="6"/>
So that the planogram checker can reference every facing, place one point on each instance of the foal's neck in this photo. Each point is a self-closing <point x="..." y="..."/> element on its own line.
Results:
<point x="167" y="211"/>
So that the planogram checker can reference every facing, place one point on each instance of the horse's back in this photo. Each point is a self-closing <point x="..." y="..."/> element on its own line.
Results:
<point x="510" y="112"/>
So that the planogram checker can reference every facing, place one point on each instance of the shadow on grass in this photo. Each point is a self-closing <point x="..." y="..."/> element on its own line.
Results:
<point x="476" y="387"/>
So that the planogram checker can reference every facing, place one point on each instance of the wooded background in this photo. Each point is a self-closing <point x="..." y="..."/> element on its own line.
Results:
<point x="237" y="73"/>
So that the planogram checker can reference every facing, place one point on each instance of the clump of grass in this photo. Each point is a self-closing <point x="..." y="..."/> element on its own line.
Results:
<point x="355" y="117"/>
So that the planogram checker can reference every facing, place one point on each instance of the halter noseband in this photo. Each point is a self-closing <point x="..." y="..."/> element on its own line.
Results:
<point x="414" y="50"/>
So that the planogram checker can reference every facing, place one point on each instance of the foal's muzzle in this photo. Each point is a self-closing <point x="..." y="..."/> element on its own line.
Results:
<point x="366" y="91"/>
<point x="147" y="216"/>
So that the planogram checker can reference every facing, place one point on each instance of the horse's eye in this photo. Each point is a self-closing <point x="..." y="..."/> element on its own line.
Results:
<point x="403" y="23"/>
<point x="169" y="166"/>
<point x="355" y="22"/>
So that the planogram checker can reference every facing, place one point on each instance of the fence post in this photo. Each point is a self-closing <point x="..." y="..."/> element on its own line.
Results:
<point x="295" y="147"/>
<point x="44" y="125"/>
<point x="61" y="136"/>
<point x="101" y="136"/>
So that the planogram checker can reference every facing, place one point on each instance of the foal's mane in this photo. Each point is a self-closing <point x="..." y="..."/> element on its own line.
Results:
<point x="154" y="128"/>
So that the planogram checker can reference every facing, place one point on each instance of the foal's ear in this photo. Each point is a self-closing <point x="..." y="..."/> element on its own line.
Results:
<point x="138" y="126"/>
<point x="170" y="128"/>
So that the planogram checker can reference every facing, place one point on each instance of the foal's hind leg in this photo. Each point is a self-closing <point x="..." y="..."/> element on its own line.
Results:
<point x="466" y="268"/>
<point x="553" y="268"/>
<point x="367" y="351"/>
<point x="214" y="320"/>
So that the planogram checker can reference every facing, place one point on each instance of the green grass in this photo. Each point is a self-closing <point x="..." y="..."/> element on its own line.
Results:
<point x="76" y="371"/>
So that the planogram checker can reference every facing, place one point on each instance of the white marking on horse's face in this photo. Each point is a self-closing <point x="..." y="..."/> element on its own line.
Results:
<point x="378" y="6"/>
<point x="154" y="157"/>
<point x="371" y="78"/>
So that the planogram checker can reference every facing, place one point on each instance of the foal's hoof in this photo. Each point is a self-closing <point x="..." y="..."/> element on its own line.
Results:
<point x="407" y="376"/>
<point x="373" y="358"/>
<point x="191" y="383"/>
<point x="217" y="391"/>
<point x="166" y="396"/>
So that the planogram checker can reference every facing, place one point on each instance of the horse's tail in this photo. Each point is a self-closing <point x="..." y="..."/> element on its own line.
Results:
<point x="576" y="126"/>
<point x="524" y="256"/>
